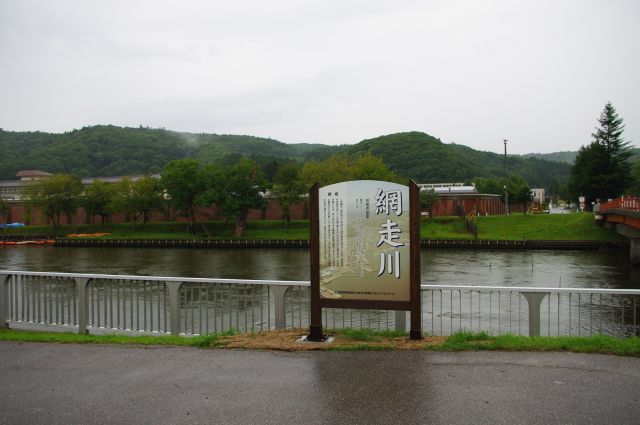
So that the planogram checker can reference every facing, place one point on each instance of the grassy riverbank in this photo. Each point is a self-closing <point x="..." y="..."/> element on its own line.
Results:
<point x="577" y="226"/>
<point x="350" y="340"/>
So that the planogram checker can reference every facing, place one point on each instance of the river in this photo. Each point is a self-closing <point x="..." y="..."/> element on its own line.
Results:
<point x="585" y="269"/>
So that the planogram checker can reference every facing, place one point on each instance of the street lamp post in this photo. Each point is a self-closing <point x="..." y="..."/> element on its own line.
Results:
<point x="506" y="181"/>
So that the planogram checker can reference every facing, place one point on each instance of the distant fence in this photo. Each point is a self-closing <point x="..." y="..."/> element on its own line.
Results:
<point x="193" y="306"/>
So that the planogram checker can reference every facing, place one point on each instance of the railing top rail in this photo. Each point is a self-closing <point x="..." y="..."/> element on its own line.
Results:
<point x="482" y="288"/>
<point x="160" y="278"/>
<point x="532" y="289"/>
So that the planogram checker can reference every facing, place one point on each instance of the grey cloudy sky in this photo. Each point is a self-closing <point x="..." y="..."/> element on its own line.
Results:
<point x="469" y="72"/>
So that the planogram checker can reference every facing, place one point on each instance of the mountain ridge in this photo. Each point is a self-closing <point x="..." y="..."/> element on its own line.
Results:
<point x="106" y="150"/>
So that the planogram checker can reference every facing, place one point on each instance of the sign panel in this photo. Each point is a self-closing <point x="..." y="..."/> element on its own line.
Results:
<point x="364" y="241"/>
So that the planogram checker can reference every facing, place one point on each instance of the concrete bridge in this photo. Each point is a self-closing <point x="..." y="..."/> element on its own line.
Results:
<point x="623" y="216"/>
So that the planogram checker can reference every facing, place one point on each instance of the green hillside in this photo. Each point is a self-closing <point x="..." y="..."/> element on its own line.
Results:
<point x="428" y="160"/>
<point x="110" y="150"/>
<point x="568" y="157"/>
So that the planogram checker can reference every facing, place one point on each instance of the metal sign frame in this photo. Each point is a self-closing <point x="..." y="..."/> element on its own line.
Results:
<point x="414" y="305"/>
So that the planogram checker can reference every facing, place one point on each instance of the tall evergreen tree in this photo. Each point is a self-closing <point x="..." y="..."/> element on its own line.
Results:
<point x="602" y="169"/>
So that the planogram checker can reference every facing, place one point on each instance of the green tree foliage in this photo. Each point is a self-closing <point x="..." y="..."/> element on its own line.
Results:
<point x="55" y="196"/>
<point x="332" y="170"/>
<point x="187" y="185"/>
<point x="492" y="185"/>
<point x="4" y="208"/>
<point x="148" y="194"/>
<point x="124" y="201"/>
<point x="240" y="189"/>
<point x="634" y="189"/>
<point x="288" y="189"/>
<point x="138" y="198"/>
<point x="519" y="189"/>
<point x="339" y="168"/>
<point x="98" y="199"/>
<point x="602" y="169"/>
<point x="428" y="197"/>
<point x="519" y="192"/>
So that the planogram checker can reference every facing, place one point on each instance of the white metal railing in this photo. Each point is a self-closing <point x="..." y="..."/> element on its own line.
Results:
<point x="530" y="310"/>
<point x="191" y="306"/>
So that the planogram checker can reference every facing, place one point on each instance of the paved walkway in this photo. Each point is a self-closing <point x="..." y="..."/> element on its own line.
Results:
<point x="74" y="384"/>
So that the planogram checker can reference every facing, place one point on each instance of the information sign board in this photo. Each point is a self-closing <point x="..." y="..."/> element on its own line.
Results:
<point x="365" y="249"/>
<point x="364" y="241"/>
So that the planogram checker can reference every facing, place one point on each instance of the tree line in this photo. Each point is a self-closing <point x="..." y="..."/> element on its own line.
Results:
<point x="186" y="184"/>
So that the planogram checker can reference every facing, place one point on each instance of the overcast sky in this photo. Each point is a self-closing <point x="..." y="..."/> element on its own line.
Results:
<point x="469" y="72"/>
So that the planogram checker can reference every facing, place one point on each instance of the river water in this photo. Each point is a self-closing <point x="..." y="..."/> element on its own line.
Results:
<point x="585" y="269"/>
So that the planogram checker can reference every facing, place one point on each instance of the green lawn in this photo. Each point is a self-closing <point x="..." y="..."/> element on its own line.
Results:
<point x="351" y="340"/>
<point x="479" y="341"/>
<point x="576" y="226"/>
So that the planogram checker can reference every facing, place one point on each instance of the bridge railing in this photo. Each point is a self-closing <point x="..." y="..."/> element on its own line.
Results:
<point x="631" y="203"/>
<point x="98" y="303"/>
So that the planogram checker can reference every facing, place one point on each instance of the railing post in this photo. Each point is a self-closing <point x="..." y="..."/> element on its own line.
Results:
<point x="174" y="307"/>
<point x="83" y="304"/>
<point x="401" y="321"/>
<point x="279" y="293"/>
<point x="534" y="299"/>
<point x="4" y="300"/>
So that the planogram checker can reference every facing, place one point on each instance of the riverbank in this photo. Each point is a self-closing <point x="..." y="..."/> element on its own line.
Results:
<point x="517" y="227"/>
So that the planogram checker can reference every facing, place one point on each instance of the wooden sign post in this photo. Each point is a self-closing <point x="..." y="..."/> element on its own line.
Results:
<point x="365" y="249"/>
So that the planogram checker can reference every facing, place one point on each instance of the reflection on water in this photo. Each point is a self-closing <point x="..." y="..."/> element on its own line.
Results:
<point x="585" y="269"/>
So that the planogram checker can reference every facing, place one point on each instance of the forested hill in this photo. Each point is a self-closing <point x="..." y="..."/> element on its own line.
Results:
<point x="116" y="151"/>
<point x="110" y="151"/>
<point x="567" y="157"/>
<point x="426" y="159"/>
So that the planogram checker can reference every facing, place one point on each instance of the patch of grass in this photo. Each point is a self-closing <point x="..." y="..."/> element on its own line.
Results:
<point x="211" y="340"/>
<point x="204" y="341"/>
<point x="470" y="341"/>
<point x="351" y="340"/>
<point x="444" y="228"/>
<point x="73" y="338"/>
<point x="361" y="347"/>
<point x="575" y="226"/>
<point x="368" y="335"/>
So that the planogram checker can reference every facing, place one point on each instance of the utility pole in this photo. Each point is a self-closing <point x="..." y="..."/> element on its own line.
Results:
<point x="506" y="181"/>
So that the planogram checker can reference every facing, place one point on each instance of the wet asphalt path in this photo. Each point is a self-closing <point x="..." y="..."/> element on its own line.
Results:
<point x="86" y="384"/>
